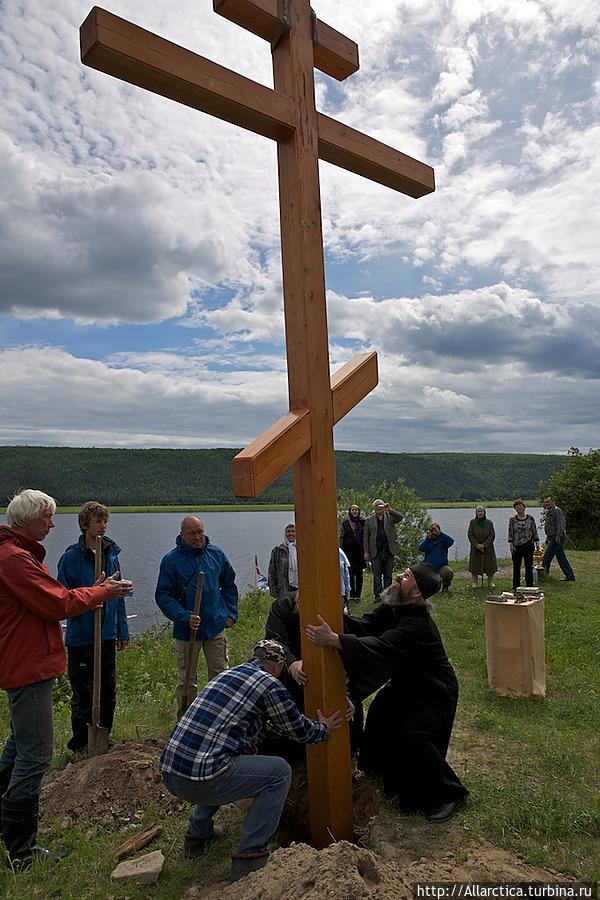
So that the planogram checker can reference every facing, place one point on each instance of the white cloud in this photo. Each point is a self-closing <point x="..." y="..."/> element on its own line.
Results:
<point x="117" y="206"/>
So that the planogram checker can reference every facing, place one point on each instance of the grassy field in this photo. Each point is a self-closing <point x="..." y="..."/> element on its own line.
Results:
<point x="531" y="765"/>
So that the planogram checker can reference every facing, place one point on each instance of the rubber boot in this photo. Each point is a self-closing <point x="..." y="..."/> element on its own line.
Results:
<point x="19" y="831"/>
<point x="244" y="863"/>
<point x="4" y="782"/>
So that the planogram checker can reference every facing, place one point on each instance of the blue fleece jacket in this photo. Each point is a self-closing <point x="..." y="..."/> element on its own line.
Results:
<point x="176" y="589"/>
<point x="76" y="568"/>
<point x="436" y="552"/>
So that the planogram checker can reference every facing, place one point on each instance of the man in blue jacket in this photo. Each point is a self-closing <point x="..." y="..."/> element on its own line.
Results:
<point x="76" y="568"/>
<point x="435" y="546"/>
<point x="175" y="594"/>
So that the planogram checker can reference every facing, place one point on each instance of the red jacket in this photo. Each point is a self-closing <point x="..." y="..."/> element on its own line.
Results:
<point x="32" y="603"/>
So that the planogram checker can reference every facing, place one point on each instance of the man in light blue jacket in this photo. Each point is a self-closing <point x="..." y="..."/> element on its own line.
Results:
<point x="76" y="568"/>
<point x="175" y="594"/>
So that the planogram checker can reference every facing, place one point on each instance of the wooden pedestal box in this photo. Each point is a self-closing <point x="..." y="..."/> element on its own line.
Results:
<point x="514" y="634"/>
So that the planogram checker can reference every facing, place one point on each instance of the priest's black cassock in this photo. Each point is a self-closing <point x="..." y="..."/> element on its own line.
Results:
<point x="398" y="649"/>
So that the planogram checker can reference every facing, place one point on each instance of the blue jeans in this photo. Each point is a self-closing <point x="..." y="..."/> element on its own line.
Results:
<point x="554" y="548"/>
<point x="266" y="778"/>
<point x="27" y="753"/>
<point x="383" y="564"/>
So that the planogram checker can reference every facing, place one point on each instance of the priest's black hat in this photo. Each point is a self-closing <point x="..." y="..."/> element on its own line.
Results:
<point x="428" y="580"/>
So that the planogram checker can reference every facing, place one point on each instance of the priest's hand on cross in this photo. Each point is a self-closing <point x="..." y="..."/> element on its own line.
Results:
<point x="322" y="635"/>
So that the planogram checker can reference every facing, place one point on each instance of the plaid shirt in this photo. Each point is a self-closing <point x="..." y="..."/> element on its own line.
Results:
<point x="228" y="718"/>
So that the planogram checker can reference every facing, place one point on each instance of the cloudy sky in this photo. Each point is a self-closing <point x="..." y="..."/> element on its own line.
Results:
<point x="140" y="273"/>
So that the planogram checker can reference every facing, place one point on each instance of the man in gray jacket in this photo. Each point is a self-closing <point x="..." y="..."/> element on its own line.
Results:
<point x="381" y="544"/>
<point x="556" y="536"/>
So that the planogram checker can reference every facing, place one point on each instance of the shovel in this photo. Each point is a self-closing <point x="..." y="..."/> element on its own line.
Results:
<point x="97" y="736"/>
<point x="190" y="648"/>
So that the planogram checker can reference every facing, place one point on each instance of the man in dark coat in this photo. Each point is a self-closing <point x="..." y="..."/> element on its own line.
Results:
<point x="351" y="541"/>
<point x="398" y="648"/>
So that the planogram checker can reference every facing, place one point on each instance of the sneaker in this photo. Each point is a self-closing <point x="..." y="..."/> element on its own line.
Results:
<point x="36" y="853"/>
<point x="474" y="584"/>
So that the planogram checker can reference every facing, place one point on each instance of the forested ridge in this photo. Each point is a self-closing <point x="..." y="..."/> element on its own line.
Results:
<point x="190" y="477"/>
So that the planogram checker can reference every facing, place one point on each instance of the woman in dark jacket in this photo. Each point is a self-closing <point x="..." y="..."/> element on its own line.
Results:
<point x="351" y="542"/>
<point x="482" y="559"/>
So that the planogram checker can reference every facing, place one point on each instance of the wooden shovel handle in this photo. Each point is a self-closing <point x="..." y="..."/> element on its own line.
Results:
<point x="188" y="663"/>
<point x="97" y="640"/>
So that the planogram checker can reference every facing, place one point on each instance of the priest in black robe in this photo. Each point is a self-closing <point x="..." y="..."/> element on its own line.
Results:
<point x="283" y="626"/>
<point x="398" y="649"/>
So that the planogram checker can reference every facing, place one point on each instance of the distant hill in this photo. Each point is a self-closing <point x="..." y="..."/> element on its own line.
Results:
<point x="190" y="477"/>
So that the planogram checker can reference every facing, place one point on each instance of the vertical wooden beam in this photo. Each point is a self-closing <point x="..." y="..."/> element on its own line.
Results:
<point x="329" y="769"/>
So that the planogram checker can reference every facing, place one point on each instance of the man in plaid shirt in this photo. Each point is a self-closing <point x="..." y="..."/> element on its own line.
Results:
<point x="210" y="758"/>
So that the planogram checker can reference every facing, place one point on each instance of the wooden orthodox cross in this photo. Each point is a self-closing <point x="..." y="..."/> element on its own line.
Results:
<point x="304" y="436"/>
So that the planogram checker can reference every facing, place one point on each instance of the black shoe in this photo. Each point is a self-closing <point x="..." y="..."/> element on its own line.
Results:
<point x="194" y="847"/>
<point x="443" y="813"/>
<point x="567" y="579"/>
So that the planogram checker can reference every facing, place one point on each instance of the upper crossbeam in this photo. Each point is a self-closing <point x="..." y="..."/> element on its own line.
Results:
<point x="117" y="47"/>
<point x="334" y="53"/>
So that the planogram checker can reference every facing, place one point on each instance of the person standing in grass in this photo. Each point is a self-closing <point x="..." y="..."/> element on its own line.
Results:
<point x="32" y="655"/>
<point x="482" y="558"/>
<point x="76" y="568"/>
<point x="351" y="542"/>
<point x="380" y="544"/>
<point x="522" y="539"/>
<point x="283" y="565"/>
<point x="175" y="595"/>
<point x="556" y="535"/>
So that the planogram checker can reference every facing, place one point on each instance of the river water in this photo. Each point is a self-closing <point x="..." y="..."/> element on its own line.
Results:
<point x="146" y="537"/>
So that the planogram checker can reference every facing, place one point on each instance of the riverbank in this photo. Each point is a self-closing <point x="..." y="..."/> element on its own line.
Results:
<point x="277" y="507"/>
<point x="530" y="765"/>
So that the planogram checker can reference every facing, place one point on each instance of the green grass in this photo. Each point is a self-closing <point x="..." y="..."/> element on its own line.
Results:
<point x="531" y="765"/>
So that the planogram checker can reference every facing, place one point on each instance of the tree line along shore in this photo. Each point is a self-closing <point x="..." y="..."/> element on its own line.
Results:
<point x="174" y="480"/>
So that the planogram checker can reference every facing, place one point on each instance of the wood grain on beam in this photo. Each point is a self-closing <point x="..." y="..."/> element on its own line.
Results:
<point x="343" y="146"/>
<point x="334" y="54"/>
<point x="352" y="382"/>
<point x="266" y="458"/>
<point x="118" y="47"/>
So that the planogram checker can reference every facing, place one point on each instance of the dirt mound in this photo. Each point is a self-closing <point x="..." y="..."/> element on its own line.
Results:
<point x="110" y="789"/>
<point x="344" y="871"/>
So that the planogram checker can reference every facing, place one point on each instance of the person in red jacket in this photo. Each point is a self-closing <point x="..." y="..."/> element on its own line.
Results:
<point x="32" y="654"/>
